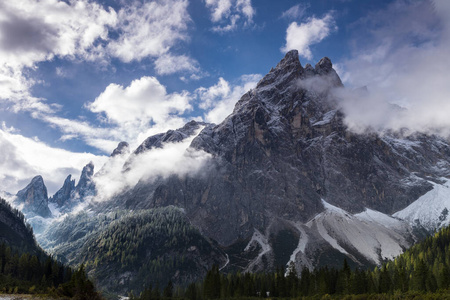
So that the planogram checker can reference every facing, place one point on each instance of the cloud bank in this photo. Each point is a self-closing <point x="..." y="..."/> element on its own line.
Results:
<point x="402" y="58"/>
<point x="172" y="158"/>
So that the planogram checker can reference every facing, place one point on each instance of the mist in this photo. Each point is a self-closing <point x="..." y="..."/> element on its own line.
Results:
<point x="125" y="171"/>
<point x="402" y="57"/>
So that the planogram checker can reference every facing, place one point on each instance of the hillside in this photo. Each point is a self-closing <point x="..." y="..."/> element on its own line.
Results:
<point x="26" y="269"/>
<point x="125" y="251"/>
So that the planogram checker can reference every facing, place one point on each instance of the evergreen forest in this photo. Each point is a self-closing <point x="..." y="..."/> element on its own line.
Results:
<point x="422" y="272"/>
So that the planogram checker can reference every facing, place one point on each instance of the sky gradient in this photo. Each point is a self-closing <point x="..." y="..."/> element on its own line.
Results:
<point x="79" y="76"/>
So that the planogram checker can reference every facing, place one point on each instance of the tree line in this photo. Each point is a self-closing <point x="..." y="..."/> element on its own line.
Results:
<point x="422" y="271"/>
<point x="22" y="273"/>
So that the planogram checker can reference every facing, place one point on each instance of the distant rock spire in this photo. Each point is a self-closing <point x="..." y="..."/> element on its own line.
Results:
<point x="86" y="186"/>
<point x="122" y="148"/>
<point x="34" y="198"/>
<point x="62" y="196"/>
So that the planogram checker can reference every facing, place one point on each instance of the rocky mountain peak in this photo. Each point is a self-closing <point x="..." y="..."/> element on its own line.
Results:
<point x="85" y="185"/>
<point x="61" y="197"/>
<point x="324" y="66"/>
<point x="87" y="171"/>
<point x="288" y="68"/>
<point x="34" y="198"/>
<point x="122" y="148"/>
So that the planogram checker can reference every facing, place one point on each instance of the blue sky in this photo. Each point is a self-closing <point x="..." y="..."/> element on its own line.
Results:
<point x="79" y="76"/>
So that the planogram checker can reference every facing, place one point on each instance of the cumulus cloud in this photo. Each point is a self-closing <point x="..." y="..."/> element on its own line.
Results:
<point x="219" y="100"/>
<point x="32" y="32"/>
<point x="169" y="64"/>
<point x="174" y="158"/>
<point x="36" y="31"/>
<point x="150" y="29"/>
<point x="302" y="36"/>
<point x="403" y="61"/>
<point x="144" y="100"/>
<point x="228" y="13"/>
<point x="23" y="158"/>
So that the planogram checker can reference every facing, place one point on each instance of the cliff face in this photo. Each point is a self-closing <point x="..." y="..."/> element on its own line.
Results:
<point x="62" y="196"/>
<point x="34" y="198"/>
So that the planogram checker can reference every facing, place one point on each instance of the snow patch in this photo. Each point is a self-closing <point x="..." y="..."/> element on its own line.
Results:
<point x="430" y="210"/>
<point x="374" y="235"/>
<point x="302" y="242"/>
<point x="260" y="239"/>
<point x="326" y="119"/>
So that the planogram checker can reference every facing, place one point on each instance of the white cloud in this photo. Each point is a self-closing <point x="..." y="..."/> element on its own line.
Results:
<point x="213" y="93"/>
<point x="296" y="11"/>
<point x="23" y="158"/>
<point x="150" y="29"/>
<point x="403" y="61"/>
<point x="302" y="36"/>
<point x="36" y="31"/>
<point x="173" y="158"/>
<point x="169" y="64"/>
<point x="219" y="100"/>
<point x="144" y="100"/>
<point x="32" y="32"/>
<point x="227" y="13"/>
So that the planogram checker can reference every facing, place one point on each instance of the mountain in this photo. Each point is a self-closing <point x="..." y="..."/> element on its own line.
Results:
<point x="282" y="179"/>
<point x="34" y="199"/>
<point x="122" y="149"/>
<point x="286" y="147"/>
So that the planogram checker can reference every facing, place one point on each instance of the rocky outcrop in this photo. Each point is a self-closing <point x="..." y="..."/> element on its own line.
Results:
<point x="85" y="186"/>
<point x="34" y="199"/>
<point x="62" y="196"/>
<point x="122" y="149"/>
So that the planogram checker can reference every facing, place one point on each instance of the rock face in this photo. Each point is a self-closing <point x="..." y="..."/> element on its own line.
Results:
<point x="85" y="186"/>
<point x="122" y="149"/>
<point x="283" y="149"/>
<point x="34" y="198"/>
<point x="62" y="196"/>
<point x="70" y="194"/>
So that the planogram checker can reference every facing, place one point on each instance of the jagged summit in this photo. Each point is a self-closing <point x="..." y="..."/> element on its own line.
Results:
<point x="177" y="135"/>
<point x="121" y="149"/>
<point x="85" y="186"/>
<point x="323" y="66"/>
<point x="288" y="68"/>
<point x="34" y="198"/>
<point x="62" y="196"/>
